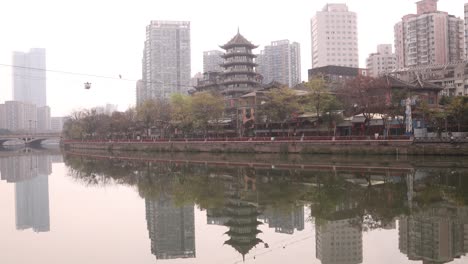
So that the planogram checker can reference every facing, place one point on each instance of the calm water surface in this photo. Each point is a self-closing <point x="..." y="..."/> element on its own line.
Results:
<point x="74" y="208"/>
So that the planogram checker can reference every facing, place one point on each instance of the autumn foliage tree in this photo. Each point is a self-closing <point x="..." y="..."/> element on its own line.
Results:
<point x="367" y="96"/>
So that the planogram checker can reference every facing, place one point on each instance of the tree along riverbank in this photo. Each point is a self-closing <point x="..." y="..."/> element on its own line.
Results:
<point x="241" y="145"/>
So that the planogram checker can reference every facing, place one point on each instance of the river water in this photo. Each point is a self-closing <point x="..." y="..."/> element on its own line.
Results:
<point x="203" y="208"/>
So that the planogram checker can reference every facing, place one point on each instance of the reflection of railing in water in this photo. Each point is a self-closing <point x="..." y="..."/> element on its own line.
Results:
<point x="251" y="139"/>
<point x="312" y="167"/>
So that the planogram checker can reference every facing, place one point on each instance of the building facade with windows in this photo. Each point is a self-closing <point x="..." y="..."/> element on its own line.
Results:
<point x="29" y="77"/>
<point x="466" y="30"/>
<point x="212" y="61"/>
<point x="166" y="60"/>
<point x="429" y="37"/>
<point x="19" y="116"/>
<point x="335" y="37"/>
<point x="382" y="62"/>
<point x="281" y="62"/>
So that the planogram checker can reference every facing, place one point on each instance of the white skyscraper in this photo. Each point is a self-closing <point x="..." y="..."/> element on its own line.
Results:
<point x="29" y="77"/>
<point x="166" y="59"/>
<point x="280" y="62"/>
<point x="334" y="37"/>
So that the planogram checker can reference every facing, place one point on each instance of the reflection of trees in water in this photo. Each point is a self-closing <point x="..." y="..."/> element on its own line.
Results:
<point x="379" y="196"/>
<point x="359" y="199"/>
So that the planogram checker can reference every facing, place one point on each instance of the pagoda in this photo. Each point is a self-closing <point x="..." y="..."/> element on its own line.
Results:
<point x="239" y="76"/>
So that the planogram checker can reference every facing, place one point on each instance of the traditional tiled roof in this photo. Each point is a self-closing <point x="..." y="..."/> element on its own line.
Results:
<point x="394" y="82"/>
<point x="420" y="84"/>
<point x="238" y="40"/>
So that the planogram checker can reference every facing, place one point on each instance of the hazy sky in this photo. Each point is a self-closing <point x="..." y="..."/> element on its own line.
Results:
<point x="106" y="37"/>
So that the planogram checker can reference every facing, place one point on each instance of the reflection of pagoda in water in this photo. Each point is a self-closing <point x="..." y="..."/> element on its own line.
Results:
<point x="239" y="212"/>
<point x="243" y="225"/>
<point x="171" y="228"/>
<point x="285" y="221"/>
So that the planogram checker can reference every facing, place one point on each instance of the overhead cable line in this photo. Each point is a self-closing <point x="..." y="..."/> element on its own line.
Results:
<point x="90" y="75"/>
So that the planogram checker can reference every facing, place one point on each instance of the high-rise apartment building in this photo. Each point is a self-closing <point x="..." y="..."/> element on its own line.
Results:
<point x="334" y="37"/>
<point x="466" y="30"/>
<point x="280" y="62"/>
<point x="212" y="61"/>
<point x="384" y="61"/>
<point x="29" y="77"/>
<point x="18" y="116"/>
<point x="166" y="59"/>
<point x="429" y="37"/>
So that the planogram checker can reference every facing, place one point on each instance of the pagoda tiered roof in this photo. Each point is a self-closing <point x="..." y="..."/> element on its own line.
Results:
<point x="240" y="53"/>
<point x="238" y="41"/>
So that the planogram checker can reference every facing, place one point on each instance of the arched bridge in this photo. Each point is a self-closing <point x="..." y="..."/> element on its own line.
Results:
<point x="30" y="139"/>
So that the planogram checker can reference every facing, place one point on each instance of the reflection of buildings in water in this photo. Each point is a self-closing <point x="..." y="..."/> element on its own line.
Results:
<point x="434" y="232"/>
<point x="339" y="242"/>
<point x="19" y="168"/>
<point x="30" y="175"/>
<point x="284" y="221"/>
<point x="437" y="234"/>
<point x="215" y="216"/>
<point x="171" y="228"/>
<point x="32" y="204"/>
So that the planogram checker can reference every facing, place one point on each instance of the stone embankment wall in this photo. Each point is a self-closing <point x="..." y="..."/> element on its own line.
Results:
<point x="367" y="147"/>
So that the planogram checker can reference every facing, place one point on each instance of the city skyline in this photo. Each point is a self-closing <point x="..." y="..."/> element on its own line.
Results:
<point x="95" y="52"/>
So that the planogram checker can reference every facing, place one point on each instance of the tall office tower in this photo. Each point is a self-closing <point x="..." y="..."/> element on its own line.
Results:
<point x="281" y="62"/>
<point x="171" y="228"/>
<point x="166" y="59"/>
<point x="29" y="77"/>
<point x="334" y="37"/>
<point x="212" y="61"/>
<point x="466" y="30"/>
<point x="384" y="61"/>
<point x="428" y="37"/>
